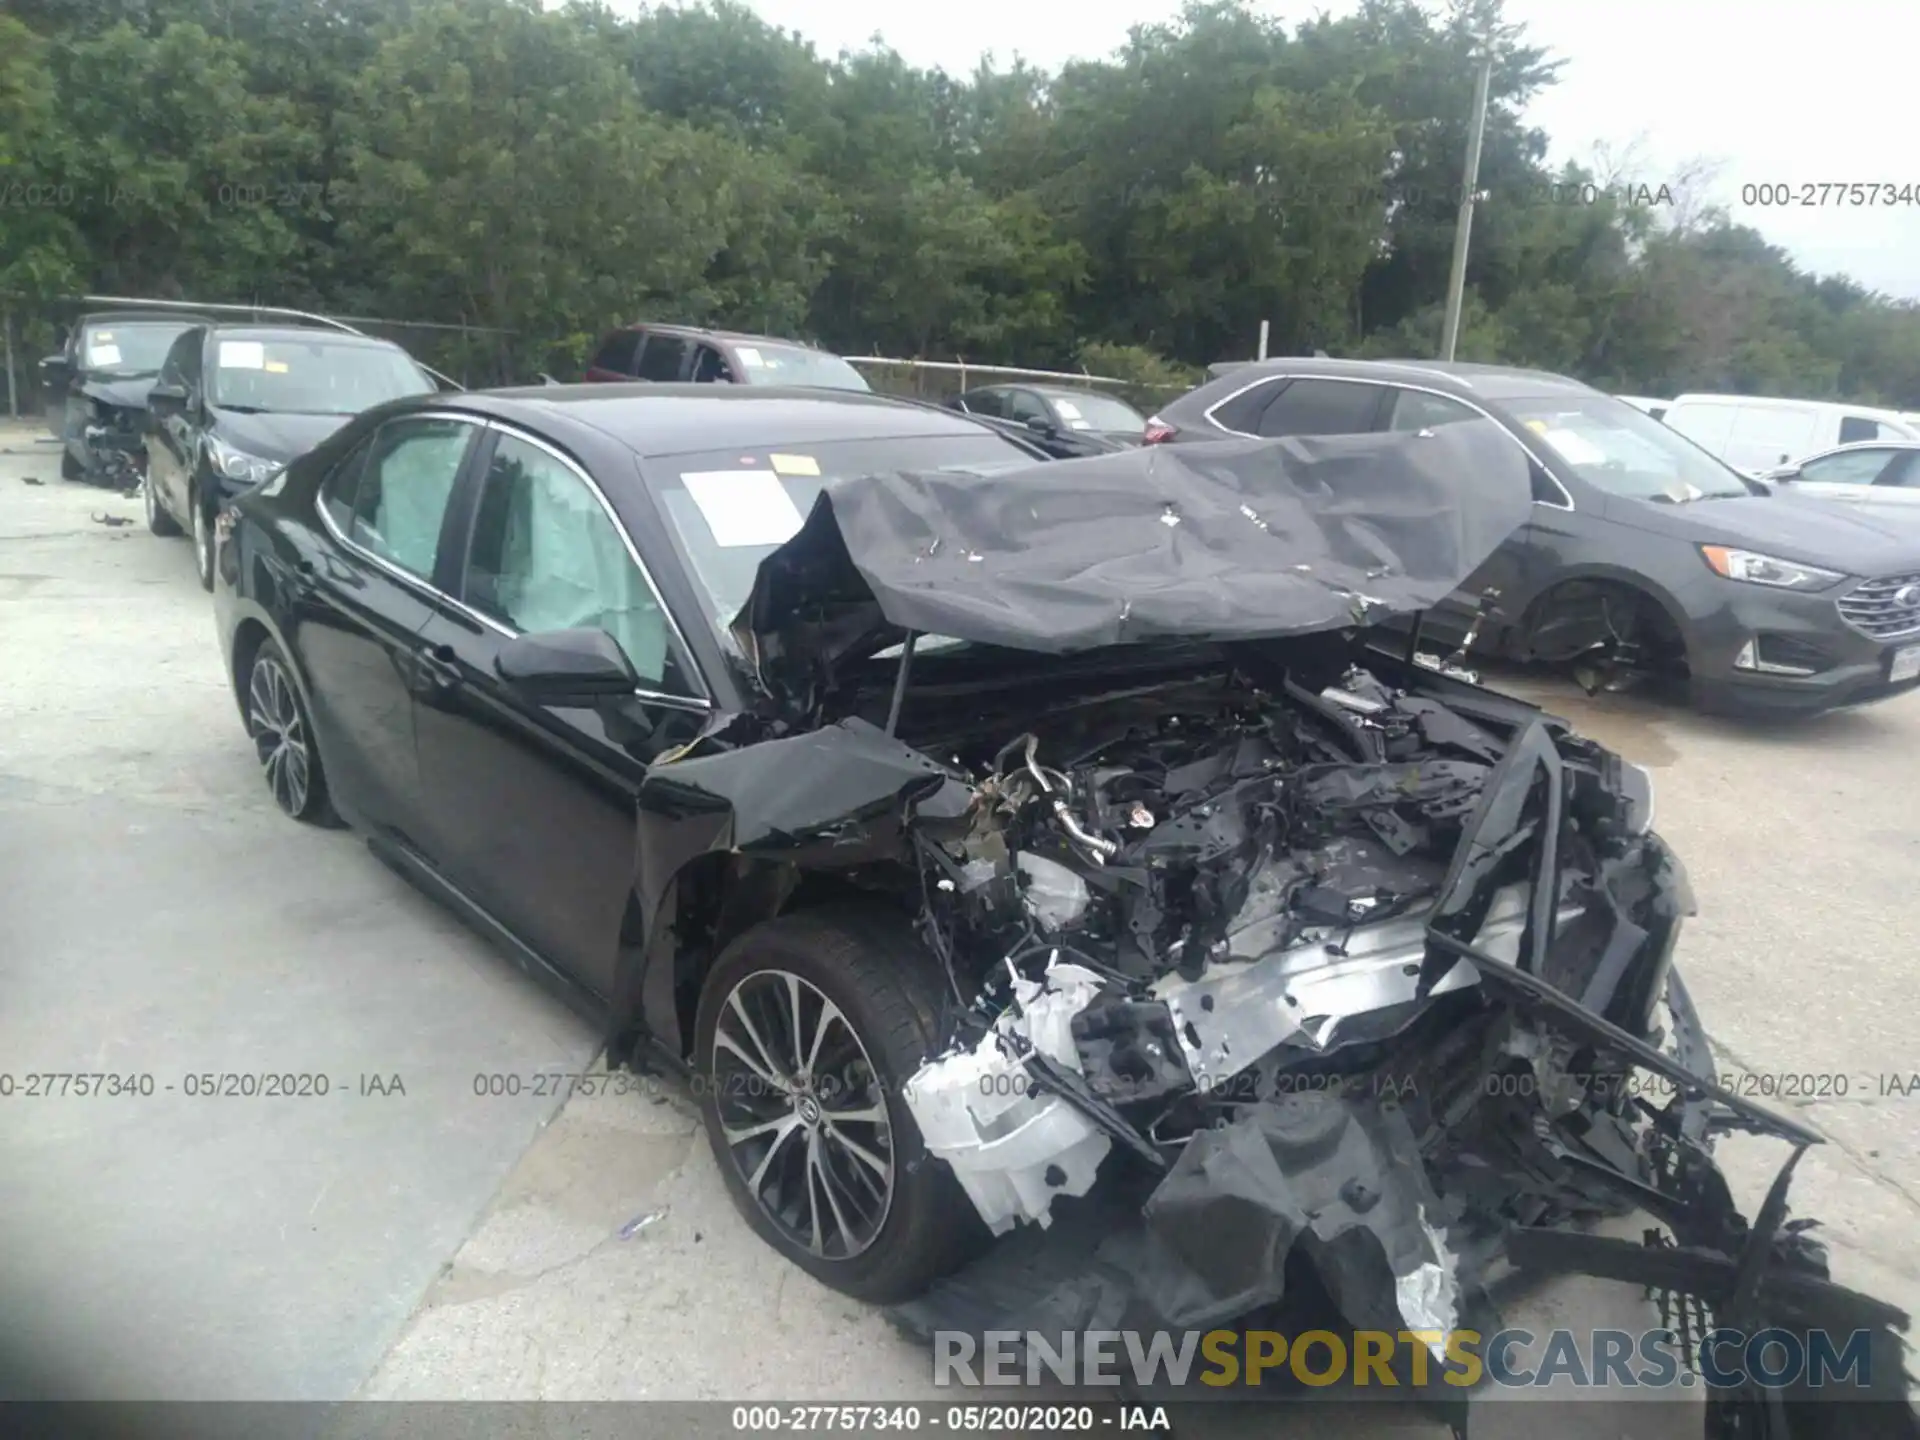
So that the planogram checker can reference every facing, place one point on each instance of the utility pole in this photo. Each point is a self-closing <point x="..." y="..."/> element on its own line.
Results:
<point x="1457" y="280"/>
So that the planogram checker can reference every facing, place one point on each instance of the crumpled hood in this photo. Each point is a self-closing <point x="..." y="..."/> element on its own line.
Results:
<point x="277" y="437"/>
<point x="1231" y="541"/>
<point x="128" y="394"/>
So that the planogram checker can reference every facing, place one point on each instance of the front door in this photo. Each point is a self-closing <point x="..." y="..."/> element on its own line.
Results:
<point x="369" y="595"/>
<point x="531" y="809"/>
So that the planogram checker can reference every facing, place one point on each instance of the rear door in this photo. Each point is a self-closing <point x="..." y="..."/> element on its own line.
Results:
<point x="532" y="808"/>
<point x="387" y="507"/>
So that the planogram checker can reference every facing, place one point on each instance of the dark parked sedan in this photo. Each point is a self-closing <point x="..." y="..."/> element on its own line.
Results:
<point x="670" y="354"/>
<point x="983" y="835"/>
<point x="235" y="403"/>
<point x="1057" y="410"/>
<point x="1643" y="554"/>
<point x="94" y="391"/>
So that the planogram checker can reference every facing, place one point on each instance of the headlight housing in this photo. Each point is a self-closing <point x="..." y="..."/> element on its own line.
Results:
<point x="1757" y="569"/>
<point x="238" y="465"/>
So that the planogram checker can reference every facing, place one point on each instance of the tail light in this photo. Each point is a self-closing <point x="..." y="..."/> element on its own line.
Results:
<point x="1158" y="432"/>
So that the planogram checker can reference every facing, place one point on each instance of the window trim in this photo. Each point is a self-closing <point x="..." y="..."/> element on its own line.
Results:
<point x="704" y="702"/>
<point x="1485" y="414"/>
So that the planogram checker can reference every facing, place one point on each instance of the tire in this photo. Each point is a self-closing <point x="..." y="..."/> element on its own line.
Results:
<point x="885" y="991"/>
<point x="202" y="520"/>
<point x="158" y="520"/>
<point x="282" y="735"/>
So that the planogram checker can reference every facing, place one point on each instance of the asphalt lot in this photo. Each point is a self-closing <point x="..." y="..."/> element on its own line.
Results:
<point x="162" y="919"/>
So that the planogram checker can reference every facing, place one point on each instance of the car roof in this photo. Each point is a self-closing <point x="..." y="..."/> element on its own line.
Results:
<point x="1487" y="382"/>
<point x="700" y="332"/>
<point x="297" y="333"/>
<point x="1069" y="391"/>
<point x="672" y="419"/>
<point x="1892" y="442"/>
<point x="147" y="317"/>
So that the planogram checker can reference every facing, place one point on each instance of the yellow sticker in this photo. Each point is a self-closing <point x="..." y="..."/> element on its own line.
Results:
<point x="794" y="464"/>
<point x="276" y="367"/>
<point x="103" y="335"/>
<point x="1538" y="427"/>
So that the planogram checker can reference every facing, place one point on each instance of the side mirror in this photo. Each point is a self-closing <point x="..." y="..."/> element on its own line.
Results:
<point x="167" y="399"/>
<point x="1042" y="426"/>
<point x="575" y="669"/>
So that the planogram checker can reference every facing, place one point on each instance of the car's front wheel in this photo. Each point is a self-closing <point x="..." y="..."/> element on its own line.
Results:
<point x="202" y="514"/>
<point x="808" y="1026"/>
<point x="282" y="735"/>
<point x="158" y="520"/>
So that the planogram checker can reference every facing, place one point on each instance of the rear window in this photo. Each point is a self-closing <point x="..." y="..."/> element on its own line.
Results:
<point x="617" y="352"/>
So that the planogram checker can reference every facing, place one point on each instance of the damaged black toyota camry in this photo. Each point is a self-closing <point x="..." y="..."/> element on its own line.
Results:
<point x="1034" y="851"/>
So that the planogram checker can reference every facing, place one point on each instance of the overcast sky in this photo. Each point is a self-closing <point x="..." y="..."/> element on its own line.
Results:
<point x="1790" y="92"/>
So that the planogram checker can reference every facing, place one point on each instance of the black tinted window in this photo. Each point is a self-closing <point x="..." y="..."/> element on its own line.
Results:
<point x="618" y="351"/>
<point x="986" y="402"/>
<point x="1417" y="410"/>
<point x="710" y="366"/>
<point x="1858" y="427"/>
<point x="662" y="357"/>
<point x="1024" y="406"/>
<point x="1322" y="407"/>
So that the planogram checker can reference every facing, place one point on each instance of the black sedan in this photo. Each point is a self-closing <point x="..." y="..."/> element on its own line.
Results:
<point x="975" y="833"/>
<point x="1643" y="555"/>
<point x="1058" y="411"/>
<point x="234" y="403"/>
<point x="94" y="392"/>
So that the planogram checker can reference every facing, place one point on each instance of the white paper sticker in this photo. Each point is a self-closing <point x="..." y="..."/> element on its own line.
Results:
<point x="794" y="464"/>
<point x="750" y="356"/>
<point x="743" y="507"/>
<point x="1067" y="408"/>
<point x="243" y="355"/>
<point x="1077" y="424"/>
<point x="103" y="335"/>
<point x="103" y="354"/>
<point x="1577" y="449"/>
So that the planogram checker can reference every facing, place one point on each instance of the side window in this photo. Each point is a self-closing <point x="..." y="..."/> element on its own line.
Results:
<point x="710" y="366"/>
<point x="618" y="352"/>
<point x="173" y="369"/>
<point x="1858" y="427"/>
<point x="546" y="556"/>
<point x="991" y="403"/>
<point x="342" y="483"/>
<point x="1417" y="410"/>
<point x="404" y="485"/>
<point x="1024" y="405"/>
<point x="662" y="357"/>
<point x="1903" y="472"/>
<point x="1850" y="467"/>
<point x="1322" y="407"/>
<point x="1242" y="412"/>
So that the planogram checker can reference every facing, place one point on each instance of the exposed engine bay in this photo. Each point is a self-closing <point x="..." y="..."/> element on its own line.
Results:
<point x="1347" y="972"/>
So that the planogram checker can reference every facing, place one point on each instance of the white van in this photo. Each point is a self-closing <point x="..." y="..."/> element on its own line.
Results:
<point x="1758" y="432"/>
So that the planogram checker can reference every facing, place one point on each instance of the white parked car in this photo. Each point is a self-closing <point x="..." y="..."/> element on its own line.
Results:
<point x="1758" y="433"/>
<point x="1873" y="472"/>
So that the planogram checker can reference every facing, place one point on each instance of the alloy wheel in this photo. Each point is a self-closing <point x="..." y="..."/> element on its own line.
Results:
<point x="804" y="1114"/>
<point x="202" y="543"/>
<point x="279" y="735"/>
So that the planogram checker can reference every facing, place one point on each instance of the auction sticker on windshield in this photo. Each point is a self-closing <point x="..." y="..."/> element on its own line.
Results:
<point x="243" y="355"/>
<point x="743" y="507"/>
<point x="98" y="354"/>
<point x="750" y="356"/>
<point x="1904" y="665"/>
<point x="794" y="464"/>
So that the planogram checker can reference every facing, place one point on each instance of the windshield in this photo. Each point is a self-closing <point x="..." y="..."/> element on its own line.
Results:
<point x="318" y="376"/>
<point x="123" y="348"/>
<point x="729" y="509"/>
<point x="769" y="364"/>
<point x="1087" y="411"/>
<point x="1624" y="452"/>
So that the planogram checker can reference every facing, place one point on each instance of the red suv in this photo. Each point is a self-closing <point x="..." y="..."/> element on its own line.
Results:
<point x="683" y="353"/>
